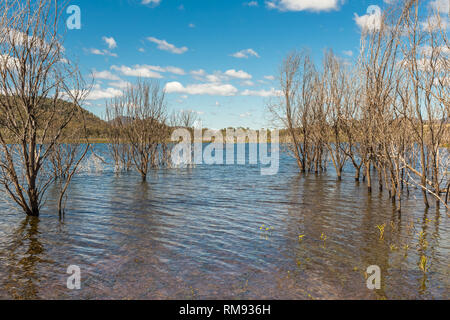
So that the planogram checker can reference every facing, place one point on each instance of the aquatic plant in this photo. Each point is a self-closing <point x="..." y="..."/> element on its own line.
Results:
<point x="423" y="243"/>
<point x="423" y="264"/>
<point x="324" y="238"/>
<point x="381" y="229"/>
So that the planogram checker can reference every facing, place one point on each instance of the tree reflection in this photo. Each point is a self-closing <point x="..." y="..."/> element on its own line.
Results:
<point x="23" y="257"/>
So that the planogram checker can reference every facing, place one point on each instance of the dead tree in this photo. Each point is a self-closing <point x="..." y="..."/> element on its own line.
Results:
<point x="140" y="116"/>
<point x="34" y="77"/>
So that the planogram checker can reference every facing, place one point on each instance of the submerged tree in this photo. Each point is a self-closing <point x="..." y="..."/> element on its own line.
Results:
<point x="139" y="124"/>
<point x="34" y="76"/>
<point x="389" y="114"/>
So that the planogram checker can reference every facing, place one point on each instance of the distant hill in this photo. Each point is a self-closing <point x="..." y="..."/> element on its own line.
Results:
<point x="96" y="127"/>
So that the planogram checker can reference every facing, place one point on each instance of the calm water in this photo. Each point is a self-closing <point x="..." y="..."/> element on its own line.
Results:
<point x="197" y="234"/>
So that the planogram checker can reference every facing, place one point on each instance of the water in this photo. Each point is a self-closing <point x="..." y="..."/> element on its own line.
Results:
<point x="196" y="233"/>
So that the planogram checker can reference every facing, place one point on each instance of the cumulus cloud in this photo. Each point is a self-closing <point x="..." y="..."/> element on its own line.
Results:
<point x="98" y="93"/>
<point x="138" y="71"/>
<point x="262" y="93"/>
<point x="435" y="22"/>
<point x="441" y="6"/>
<point x="201" y="75"/>
<point x="302" y="5"/>
<point x="271" y="78"/>
<point x="245" y="54"/>
<point x="102" y="52"/>
<point x="9" y="62"/>
<point x="238" y="74"/>
<point x="121" y="84"/>
<point x="173" y="70"/>
<point x="147" y="71"/>
<point x="112" y="44"/>
<point x="428" y="51"/>
<point x="201" y="89"/>
<point x="164" y="45"/>
<point x="348" y="53"/>
<point x="152" y="2"/>
<point x="219" y="76"/>
<point x="248" y="83"/>
<point x="370" y="21"/>
<point x="107" y="75"/>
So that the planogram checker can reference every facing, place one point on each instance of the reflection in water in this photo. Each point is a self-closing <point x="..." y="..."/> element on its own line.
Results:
<point x="21" y="259"/>
<point x="224" y="232"/>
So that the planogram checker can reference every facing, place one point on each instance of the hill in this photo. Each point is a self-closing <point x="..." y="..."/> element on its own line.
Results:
<point x="96" y="127"/>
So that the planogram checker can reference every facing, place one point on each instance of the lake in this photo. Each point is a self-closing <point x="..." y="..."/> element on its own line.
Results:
<point x="223" y="232"/>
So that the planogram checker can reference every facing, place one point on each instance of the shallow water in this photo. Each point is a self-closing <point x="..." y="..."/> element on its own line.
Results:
<point x="198" y="234"/>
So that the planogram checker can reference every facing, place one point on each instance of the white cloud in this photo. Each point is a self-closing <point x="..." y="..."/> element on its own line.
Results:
<point x="348" y="53"/>
<point x="191" y="25"/>
<point x="370" y="21"/>
<point x="201" y="75"/>
<point x="271" y="78"/>
<point x="112" y="44"/>
<point x="237" y="74"/>
<point x="435" y="22"/>
<point x="198" y="73"/>
<point x="245" y="54"/>
<point x="102" y="52"/>
<point x="9" y="62"/>
<point x="262" y="93"/>
<point x="201" y="89"/>
<point x="164" y="45"/>
<point x="141" y="50"/>
<point x="428" y="51"/>
<point x="121" y="84"/>
<point x="105" y="75"/>
<point x="245" y="115"/>
<point x="248" y="83"/>
<point x="174" y="70"/>
<point x="302" y="5"/>
<point x="153" y="2"/>
<point x="441" y="6"/>
<point x="98" y="93"/>
<point x="219" y="76"/>
<point x="137" y="71"/>
<point x="251" y="4"/>
<point x="147" y="71"/>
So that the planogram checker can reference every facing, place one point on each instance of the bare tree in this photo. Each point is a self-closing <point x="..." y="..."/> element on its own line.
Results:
<point x="119" y="146"/>
<point x="34" y="77"/>
<point x="66" y="158"/>
<point x="298" y="80"/>
<point x="426" y="60"/>
<point x="140" y="116"/>
<point x="335" y="86"/>
<point x="184" y="119"/>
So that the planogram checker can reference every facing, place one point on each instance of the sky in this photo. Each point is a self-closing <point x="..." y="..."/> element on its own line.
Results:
<point x="218" y="58"/>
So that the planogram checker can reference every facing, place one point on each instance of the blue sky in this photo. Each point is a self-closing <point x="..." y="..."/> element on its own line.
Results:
<point x="218" y="58"/>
